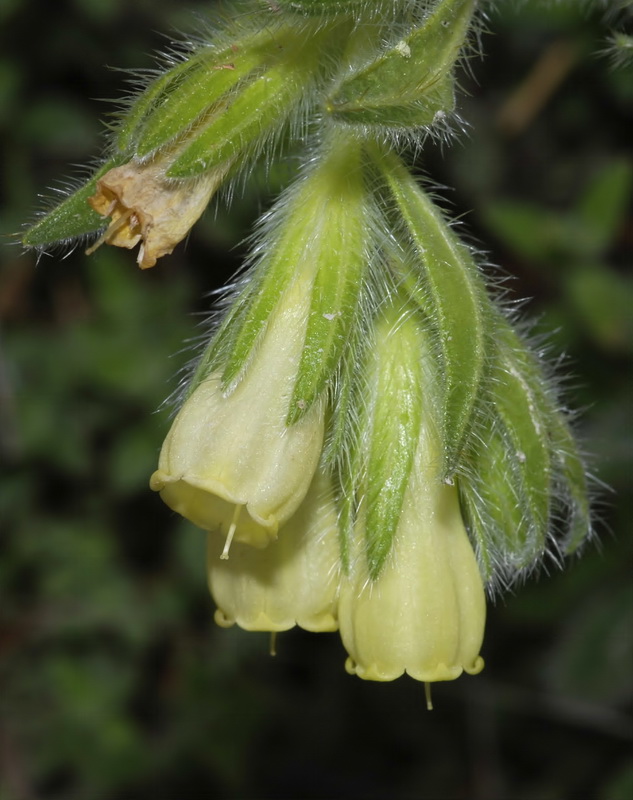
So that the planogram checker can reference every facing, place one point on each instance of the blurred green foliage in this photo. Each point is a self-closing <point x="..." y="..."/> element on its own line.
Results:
<point x="113" y="681"/>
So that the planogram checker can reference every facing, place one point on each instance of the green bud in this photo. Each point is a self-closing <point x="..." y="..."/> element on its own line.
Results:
<point x="568" y="471"/>
<point x="496" y="505"/>
<point x="525" y="426"/>
<point x="161" y="93"/>
<point x="260" y="107"/>
<point x="411" y="84"/>
<point x="521" y="468"/>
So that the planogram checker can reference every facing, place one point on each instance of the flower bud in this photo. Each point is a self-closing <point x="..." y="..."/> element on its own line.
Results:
<point x="293" y="581"/>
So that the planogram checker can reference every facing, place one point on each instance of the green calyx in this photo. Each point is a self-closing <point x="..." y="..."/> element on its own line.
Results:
<point x="317" y="234"/>
<point x="72" y="218"/>
<point x="445" y="283"/>
<point x="396" y="384"/>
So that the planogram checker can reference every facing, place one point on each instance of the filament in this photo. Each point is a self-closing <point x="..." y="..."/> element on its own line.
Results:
<point x="231" y="533"/>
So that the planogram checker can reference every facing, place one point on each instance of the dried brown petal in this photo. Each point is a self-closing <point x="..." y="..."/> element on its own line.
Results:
<point x="146" y="207"/>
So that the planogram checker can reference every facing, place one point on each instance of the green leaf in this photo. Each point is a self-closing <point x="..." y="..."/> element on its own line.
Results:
<point x="602" y="300"/>
<point x="605" y="202"/>
<point x="528" y="230"/>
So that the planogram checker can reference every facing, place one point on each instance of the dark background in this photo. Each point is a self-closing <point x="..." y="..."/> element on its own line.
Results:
<point x="114" y="682"/>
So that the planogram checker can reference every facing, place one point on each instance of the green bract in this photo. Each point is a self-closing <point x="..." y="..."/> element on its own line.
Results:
<point x="411" y="84"/>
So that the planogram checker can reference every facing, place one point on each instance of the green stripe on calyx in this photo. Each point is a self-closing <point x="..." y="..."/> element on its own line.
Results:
<point x="158" y="95"/>
<point x="451" y="292"/>
<point x="215" y="352"/>
<point x="294" y="247"/>
<point x="259" y="108"/>
<point x="395" y="385"/>
<point x="338" y="256"/>
<point x="196" y="93"/>
<point x="411" y="83"/>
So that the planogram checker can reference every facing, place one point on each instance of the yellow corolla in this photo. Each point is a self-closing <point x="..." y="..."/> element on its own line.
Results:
<point x="293" y="581"/>
<point x="425" y="613"/>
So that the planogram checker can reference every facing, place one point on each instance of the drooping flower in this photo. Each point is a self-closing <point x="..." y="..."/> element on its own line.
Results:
<point x="243" y="449"/>
<point x="230" y="461"/>
<point x="412" y="598"/>
<point x="425" y="612"/>
<point x="293" y="581"/>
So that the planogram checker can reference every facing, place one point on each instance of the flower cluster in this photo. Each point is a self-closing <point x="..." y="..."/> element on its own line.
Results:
<point x="368" y="441"/>
<point x="366" y="438"/>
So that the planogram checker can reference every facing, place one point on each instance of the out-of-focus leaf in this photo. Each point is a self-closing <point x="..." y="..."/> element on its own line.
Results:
<point x="527" y="230"/>
<point x="603" y="300"/>
<point x="620" y="787"/>
<point x="605" y="202"/>
<point x="594" y="659"/>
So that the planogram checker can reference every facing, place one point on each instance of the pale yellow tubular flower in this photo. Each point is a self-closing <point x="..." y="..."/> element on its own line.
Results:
<point x="230" y="463"/>
<point x="146" y="207"/>
<point x="426" y="611"/>
<point x="293" y="581"/>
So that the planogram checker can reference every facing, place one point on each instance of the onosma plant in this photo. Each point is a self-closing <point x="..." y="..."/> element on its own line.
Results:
<point x="367" y="437"/>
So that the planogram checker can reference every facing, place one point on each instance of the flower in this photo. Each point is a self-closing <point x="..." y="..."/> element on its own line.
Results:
<point x="425" y="613"/>
<point x="146" y="207"/>
<point x="293" y="581"/>
<point x="230" y="461"/>
<point x="411" y="597"/>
